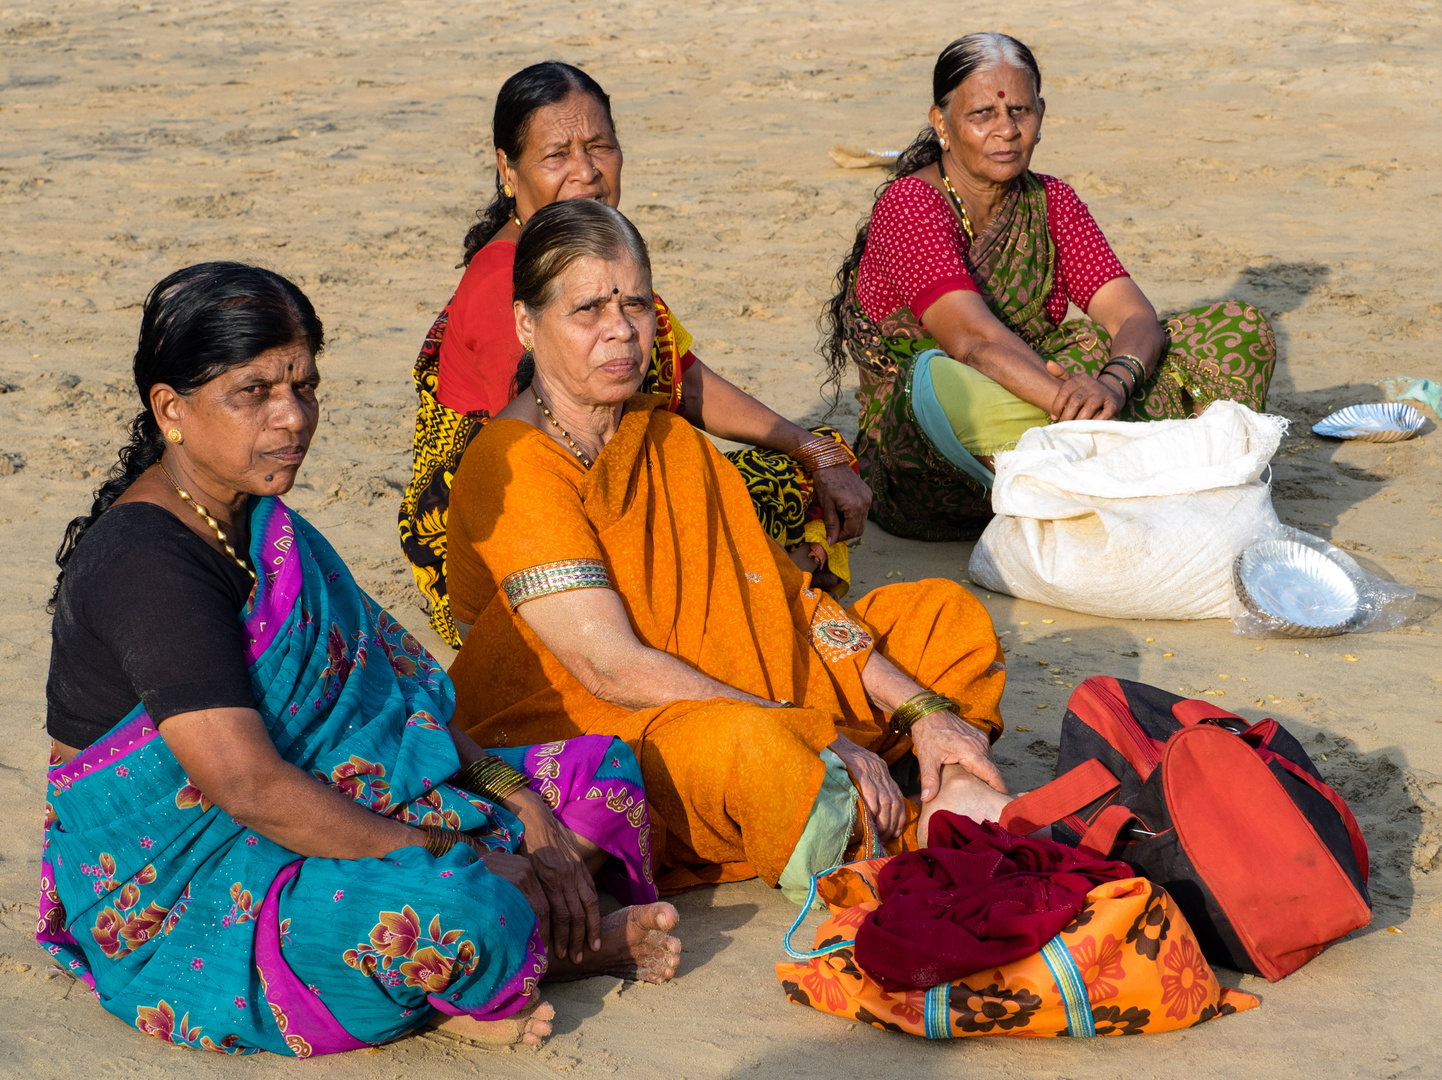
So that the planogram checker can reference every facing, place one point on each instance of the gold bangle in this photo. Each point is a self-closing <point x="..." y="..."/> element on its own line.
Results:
<point x="822" y="452"/>
<point x="915" y="708"/>
<point x="439" y="840"/>
<point x="490" y="778"/>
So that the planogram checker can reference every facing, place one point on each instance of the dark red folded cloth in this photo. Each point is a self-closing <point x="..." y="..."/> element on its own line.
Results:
<point x="978" y="898"/>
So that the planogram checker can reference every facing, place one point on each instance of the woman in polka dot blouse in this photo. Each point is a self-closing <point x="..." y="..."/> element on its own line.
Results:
<point x="953" y="297"/>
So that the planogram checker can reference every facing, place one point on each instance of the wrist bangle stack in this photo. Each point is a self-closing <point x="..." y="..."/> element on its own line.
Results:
<point x="1133" y="365"/>
<point x="1126" y="389"/>
<point x="490" y="778"/>
<point x="822" y="452"/>
<point x="914" y="708"/>
<point x="439" y="840"/>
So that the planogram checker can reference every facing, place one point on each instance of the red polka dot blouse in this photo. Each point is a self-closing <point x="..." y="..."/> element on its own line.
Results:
<point x="916" y="251"/>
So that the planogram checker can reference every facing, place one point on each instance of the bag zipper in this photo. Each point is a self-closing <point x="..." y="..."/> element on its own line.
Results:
<point x="1145" y="744"/>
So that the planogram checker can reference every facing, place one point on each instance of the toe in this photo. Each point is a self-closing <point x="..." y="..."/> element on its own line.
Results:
<point x="661" y="916"/>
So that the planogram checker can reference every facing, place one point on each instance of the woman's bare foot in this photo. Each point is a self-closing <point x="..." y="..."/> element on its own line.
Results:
<point x="635" y="944"/>
<point x="962" y="793"/>
<point x="532" y="1025"/>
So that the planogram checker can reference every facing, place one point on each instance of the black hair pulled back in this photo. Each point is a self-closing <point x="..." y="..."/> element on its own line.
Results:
<point x="557" y="236"/>
<point x="522" y="95"/>
<point x="963" y="58"/>
<point x="196" y="324"/>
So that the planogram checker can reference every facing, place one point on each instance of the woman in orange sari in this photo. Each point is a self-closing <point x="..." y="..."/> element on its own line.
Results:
<point x="612" y="577"/>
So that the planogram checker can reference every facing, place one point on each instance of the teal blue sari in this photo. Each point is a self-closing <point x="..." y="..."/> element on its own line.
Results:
<point x="202" y="932"/>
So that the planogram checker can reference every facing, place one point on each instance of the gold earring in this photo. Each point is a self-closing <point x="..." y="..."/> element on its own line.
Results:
<point x="509" y="193"/>
<point x="943" y="144"/>
<point x="526" y="345"/>
<point x="175" y="436"/>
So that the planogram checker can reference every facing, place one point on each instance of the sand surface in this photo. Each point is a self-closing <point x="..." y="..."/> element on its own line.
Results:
<point x="1284" y="153"/>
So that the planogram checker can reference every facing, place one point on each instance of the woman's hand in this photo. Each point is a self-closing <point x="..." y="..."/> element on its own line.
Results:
<point x="518" y="871"/>
<point x="558" y="861"/>
<point x="845" y="501"/>
<point x="943" y="738"/>
<point x="873" y="780"/>
<point x="1083" y="397"/>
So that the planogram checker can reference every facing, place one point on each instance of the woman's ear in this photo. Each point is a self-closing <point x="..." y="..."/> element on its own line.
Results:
<point x="504" y="171"/>
<point x="938" y="122"/>
<point x="525" y="324"/>
<point x="165" y="406"/>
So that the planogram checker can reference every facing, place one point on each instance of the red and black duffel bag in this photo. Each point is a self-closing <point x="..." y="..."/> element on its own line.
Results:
<point x="1231" y="818"/>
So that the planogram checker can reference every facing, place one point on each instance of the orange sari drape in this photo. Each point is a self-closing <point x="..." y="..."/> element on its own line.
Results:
<point x="730" y="785"/>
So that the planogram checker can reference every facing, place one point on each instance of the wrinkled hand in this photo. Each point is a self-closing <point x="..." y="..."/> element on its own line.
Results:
<point x="561" y="870"/>
<point x="517" y="870"/>
<point x="878" y="790"/>
<point x="943" y="738"/>
<point x="845" y="501"/>
<point x="1083" y="397"/>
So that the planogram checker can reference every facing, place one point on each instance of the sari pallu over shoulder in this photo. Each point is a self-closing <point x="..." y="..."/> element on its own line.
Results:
<point x="200" y="931"/>
<point x="1219" y="351"/>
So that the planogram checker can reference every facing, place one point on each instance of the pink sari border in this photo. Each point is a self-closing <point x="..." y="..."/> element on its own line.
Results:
<point x="281" y="582"/>
<point x="308" y="1026"/>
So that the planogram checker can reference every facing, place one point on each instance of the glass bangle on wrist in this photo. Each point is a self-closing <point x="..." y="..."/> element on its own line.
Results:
<point x="439" y="840"/>
<point x="821" y="453"/>
<point x="918" y="707"/>
<point x="490" y="778"/>
<point x="1126" y="390"/>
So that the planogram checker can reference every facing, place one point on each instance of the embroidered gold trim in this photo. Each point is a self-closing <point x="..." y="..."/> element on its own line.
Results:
<point x="554" y="577"/>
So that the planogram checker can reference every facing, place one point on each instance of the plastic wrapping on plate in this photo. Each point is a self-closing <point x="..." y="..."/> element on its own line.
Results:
<point x="1289" y="583"/>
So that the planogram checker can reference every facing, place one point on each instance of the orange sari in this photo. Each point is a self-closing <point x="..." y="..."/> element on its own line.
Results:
<point x="666" y="521"/>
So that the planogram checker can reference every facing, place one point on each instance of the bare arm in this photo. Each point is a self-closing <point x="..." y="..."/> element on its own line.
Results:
<point x="967" y="330"/>
<point x="588" y="632"/>
<point x="728" y="412"/>
<point x="943" y="738"/>
<point x="1130" y="319"/>
<point x="228" y="754"/>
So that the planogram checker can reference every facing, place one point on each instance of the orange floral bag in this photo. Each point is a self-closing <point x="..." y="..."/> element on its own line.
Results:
<point x="1127" y="964"/>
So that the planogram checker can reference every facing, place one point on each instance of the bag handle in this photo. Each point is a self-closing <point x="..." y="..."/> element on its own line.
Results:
<point x="809" y="954"/>
<point x="1190" y="711"/>
<point x="1101" y="835"/>
<point x="1065" y="795"/>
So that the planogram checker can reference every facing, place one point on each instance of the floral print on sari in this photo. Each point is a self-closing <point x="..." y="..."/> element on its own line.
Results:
<point x="167" y="907"/>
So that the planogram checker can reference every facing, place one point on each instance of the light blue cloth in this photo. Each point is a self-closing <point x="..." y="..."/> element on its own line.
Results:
<point x="824" y="841"/>
<point x="935" y="424"/>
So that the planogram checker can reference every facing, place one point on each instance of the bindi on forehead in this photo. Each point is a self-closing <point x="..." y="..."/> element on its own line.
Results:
<point x="1001" y="93"/>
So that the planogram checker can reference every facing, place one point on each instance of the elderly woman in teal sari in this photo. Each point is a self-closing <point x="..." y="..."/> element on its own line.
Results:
<point x="262" y="830"/>
<point x="953" y="304"/>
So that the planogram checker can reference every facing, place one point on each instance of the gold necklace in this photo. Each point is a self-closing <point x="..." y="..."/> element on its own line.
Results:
<point x="214" y="525"/>
<point x="564" y="433"/>
<point x="960" y="207"/>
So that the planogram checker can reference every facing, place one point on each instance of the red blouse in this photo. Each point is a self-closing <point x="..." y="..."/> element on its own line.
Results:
<point x="916" y="251"/>
<point x="480" y="350"/>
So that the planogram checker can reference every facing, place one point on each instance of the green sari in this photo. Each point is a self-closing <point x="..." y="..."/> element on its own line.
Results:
<point x="1221" y="351"/>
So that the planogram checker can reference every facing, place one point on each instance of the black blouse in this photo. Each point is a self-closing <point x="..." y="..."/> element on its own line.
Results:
<point x="148" y="612"/>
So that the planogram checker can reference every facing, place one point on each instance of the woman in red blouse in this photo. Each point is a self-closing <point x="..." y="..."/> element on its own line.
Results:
<point x="953" y="300"/>
<point x="555" y="140"/>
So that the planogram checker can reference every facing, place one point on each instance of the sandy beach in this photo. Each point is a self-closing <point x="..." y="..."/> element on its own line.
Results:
<point x="1286" y="153"/>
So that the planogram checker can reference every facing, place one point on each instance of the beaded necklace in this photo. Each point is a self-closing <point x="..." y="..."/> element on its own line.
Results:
<point x="958" y="206"/>
<point x="564" y="433"/>
<point x="203" y="512"/>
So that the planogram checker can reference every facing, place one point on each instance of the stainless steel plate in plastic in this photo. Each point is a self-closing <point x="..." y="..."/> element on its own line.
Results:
<point x="1297" y="590"/>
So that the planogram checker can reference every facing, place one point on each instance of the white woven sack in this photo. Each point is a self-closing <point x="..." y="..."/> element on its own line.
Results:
<point x="1130" y="520"/>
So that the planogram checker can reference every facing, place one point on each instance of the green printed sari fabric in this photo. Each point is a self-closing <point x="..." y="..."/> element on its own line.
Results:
<point x="1221" y="351"/>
